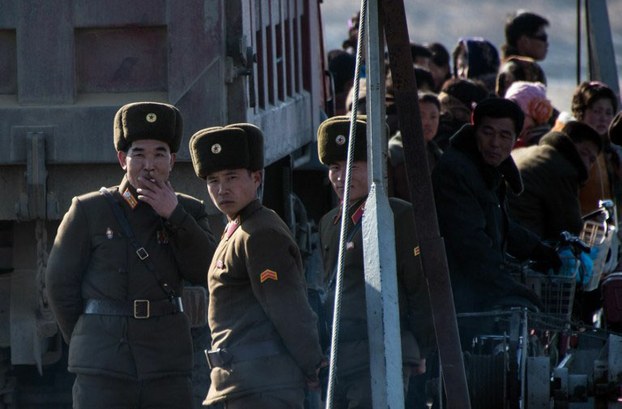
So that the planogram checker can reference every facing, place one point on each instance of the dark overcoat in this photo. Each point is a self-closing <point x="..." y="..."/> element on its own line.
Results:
<point x="472" y="213"/>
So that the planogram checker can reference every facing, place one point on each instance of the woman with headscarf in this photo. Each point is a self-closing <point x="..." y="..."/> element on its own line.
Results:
<point x="476" y="58"/>
<point x="531" y="97"/>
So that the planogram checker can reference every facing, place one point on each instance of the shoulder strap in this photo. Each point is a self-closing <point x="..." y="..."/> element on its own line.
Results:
<point x="141" y="252"/>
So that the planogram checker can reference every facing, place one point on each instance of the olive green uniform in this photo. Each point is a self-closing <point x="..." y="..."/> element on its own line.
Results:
<point x="258" y="312"/>
<point x="92" y="259"/>
<point x="415" y="313"/>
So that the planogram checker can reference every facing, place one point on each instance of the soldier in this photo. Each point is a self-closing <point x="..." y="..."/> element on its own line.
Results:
<point x="264" y="334"/>
<point x="114" y="275"/>
<point x="353" y="388"/>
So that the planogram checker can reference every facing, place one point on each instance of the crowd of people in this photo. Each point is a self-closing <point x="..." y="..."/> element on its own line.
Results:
<point x="508" y="170"/>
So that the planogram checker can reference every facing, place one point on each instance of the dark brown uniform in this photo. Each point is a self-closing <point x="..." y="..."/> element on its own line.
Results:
<point x="353" y="387"/>
<point x="93" y="259"/>
<point x="264" y="334"/>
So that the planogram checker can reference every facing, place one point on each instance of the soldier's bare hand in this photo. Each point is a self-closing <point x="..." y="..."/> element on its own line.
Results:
<point x="314" y="384"/>
<point x="159" y="195"/>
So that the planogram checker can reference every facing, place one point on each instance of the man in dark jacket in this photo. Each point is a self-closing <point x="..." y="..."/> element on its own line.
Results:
<point x="265" y="344"/>
<point x="353" y="388"/>
<point x="469" y="184"/>
<point x="552" y="173"/>
<point x="114" y="275"/>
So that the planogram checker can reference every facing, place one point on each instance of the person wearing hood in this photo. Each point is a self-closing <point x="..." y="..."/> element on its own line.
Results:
<point x="552" y="173"/>
<point x="478" y="59"/>
<point x="531" y="97"/>
<point x="469" y="183"/>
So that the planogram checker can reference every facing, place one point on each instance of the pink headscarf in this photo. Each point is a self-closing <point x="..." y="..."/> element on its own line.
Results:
<point x="531" y="97"/>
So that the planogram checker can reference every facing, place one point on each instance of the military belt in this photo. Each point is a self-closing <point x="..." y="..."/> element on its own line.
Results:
<point x="139" y="309"/>
<point x="223" y="357"/>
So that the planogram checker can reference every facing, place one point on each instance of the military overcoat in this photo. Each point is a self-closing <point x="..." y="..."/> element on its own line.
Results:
<point x="92" y="259"/>
<point x="415" y="312"/>
<point x="258" y="296"/>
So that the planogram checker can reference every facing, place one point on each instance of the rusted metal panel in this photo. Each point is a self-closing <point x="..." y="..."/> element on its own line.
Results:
<point x="432" y="246"/>
<point x="45" y="53"/>
<point x="153" y="50"/>
<point x="78" y="91"/>
<point x="8" y="64"/>
<point x="119" y="13"/>
<point x="121" y="59"/>
<point x="7" y="13"/>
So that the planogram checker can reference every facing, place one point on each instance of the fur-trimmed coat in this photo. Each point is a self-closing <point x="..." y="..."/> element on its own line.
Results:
<point x="552" y="174"/>
<point x="471" y="207"/>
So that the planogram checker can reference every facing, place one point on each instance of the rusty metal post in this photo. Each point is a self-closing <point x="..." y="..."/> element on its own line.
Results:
<point x="432" y="247"/>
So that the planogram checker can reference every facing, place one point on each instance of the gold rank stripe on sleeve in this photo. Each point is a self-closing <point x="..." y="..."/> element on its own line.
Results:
<point x="268" y="275"/>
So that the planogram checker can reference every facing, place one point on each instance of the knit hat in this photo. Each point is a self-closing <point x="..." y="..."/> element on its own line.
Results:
<point x="332" y="139"/>
<point x="499" y="108"/>
<point x="236" y="146"/>
<point x="531" y="97"/>
<point x="147" y="120"/>
<point x="482" y="57"/>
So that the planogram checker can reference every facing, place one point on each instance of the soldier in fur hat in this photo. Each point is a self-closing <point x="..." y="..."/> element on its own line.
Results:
<point x="265" y="345"/>
<point x="353" y="377"/>
<point x="114" y="275"/>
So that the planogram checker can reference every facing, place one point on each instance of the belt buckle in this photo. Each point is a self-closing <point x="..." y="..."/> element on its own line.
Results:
<point x="142" y="309"/>
<point x="208" y="355"/>
<point x="218" y="358"/>
<point x="142" y="253"/>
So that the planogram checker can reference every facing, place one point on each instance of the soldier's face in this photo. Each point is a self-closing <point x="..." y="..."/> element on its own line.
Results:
<point x="359" y="187"/>
<point x="232" y="190"/>
<point x="495" y="139"/>
<point x="148" y="158"/>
